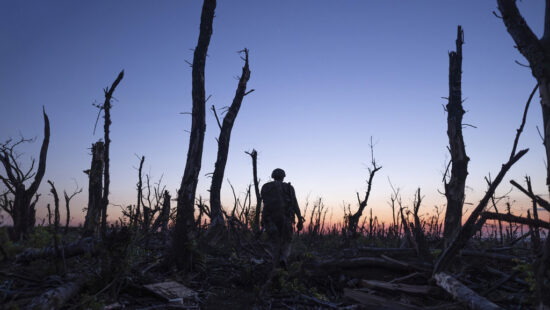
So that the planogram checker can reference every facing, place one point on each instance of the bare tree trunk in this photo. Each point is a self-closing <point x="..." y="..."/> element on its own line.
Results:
<point x="421" y="245"/>
<point x="537" y="52"/>
<point x="106" y="176"/>
<point x="139" y="194"/>
<point x="454" y="189"/>
<point x="95" y="189"/>
<point x="49" y="215"/>
<point x="185" y="220"/>
<point x="68" y="208"/>
<point x="22" y="210"/>
<point x="256" y="224"/>
<point x="164" y="213"/>
<point x="56" y="217"/>
<point x="216" y="216"/>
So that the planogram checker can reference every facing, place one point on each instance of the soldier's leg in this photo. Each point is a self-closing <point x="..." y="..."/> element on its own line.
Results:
<point x="274" y="243"/>
<point x="286" y="239"/>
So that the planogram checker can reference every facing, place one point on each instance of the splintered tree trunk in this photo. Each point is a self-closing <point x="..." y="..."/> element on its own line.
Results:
<point x="537" y="53"/>
<point x="185" y="221"/>
<point x="95" y="189"/>
<point x="106" y="175"/>
<point x="454" y="189"/>
<point x="216" y="216"/>
<point x="256" y="224"/>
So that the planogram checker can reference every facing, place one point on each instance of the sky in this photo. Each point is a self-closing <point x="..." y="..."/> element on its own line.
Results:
<point x="328" y="76"/>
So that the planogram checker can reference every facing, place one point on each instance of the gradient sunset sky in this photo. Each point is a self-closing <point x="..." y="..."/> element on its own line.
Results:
<point x="328" y="75"/>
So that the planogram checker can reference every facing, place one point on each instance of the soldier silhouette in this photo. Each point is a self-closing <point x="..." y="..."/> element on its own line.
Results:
<point x="280" y="207"/>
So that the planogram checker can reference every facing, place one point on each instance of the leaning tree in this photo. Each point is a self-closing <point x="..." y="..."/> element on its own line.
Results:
<point x="19" y="201"/>
<point x="537" y="52"/>
<point x="216" y="218"/>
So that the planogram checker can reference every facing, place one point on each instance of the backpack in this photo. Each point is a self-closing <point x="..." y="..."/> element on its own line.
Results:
<point x="276" y="198"/>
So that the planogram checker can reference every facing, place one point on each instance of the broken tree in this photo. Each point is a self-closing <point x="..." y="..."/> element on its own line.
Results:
<point x="258" y="210"/>
<point x="216" y="216"/>
<point x="106" y="107"/>
<point x="454" y="189"/>
<point x="21" y="206"/>
<point x="95" y="188"/>
<point x="185" y="218"/>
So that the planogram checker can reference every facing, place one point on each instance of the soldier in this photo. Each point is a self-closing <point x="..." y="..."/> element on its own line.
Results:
<point x="280" y="207"/>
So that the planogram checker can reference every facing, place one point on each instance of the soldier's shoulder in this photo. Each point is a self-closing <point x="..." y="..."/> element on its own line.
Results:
<point x="268" y="185"/>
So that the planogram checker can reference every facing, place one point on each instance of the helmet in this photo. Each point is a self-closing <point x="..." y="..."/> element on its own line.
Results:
<point x="278" y="174"/>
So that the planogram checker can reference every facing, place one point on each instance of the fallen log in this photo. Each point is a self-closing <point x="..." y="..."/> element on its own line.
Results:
<point x="82" y="246"/>
<point x="495" y="256"/>
<point x="361" y="262"/>
<point x="516" y="219"/>
<point x="55" y="298"/>
<point x="369" y="301"/>
<point x="386" y="251"/>
<point x="426" y="267"/>
<point x="503" y="274"/>
<point x="401" y="288"/>
<point x="462" y="293"/>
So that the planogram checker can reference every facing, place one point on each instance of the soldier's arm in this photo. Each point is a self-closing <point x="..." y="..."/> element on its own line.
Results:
<point x="295" y="206"/>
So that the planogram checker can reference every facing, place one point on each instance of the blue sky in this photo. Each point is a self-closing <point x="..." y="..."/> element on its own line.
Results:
<point x="328" y="75"/>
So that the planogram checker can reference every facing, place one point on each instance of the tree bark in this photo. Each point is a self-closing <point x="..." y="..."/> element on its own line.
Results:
<point x="216" y="217"/>
<point x="164" y="213"/>
<point x="95" y="189"/>
<point x="185" y="221"/>
<point x="462" y="293"/>
<point x="106" y="175"/>
<point x="454" y="189"/>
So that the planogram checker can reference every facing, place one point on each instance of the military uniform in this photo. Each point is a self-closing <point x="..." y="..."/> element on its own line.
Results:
<point x="280" y="207"/>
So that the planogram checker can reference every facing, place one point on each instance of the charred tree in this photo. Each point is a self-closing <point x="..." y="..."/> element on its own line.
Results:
<point x="67" y="206"/>
<point x="353" y="219"/>
<point x="106" y="176"/>
<point x="421" y="245"/>
<point x="537" y="53"/>
<point x="185" y="221"/>
<point x="139" y="194"/>
<point x="164" y="216"/>
<point x="95" y="190"/>
<point x="454" y="188"/>
<point x="21" y="207"/>
<point x="216" y="215"/>
<point x="258" y="211"/>
<point x="474" y="222"/>
<point x="56" y="227"/>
